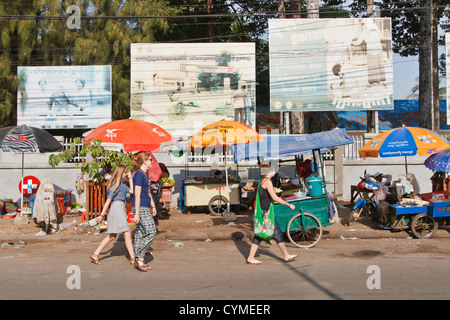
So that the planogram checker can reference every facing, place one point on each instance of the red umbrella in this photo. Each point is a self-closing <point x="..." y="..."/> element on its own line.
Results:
<point x="134" y="135"/>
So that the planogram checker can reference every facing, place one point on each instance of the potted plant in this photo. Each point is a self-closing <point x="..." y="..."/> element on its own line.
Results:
<point x="95" y="158"/>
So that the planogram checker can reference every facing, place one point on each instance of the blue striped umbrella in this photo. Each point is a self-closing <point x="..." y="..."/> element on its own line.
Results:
<point x="439" y="161"/>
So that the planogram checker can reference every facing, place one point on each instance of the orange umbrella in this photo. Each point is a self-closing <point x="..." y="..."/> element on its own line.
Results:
<point x="404" y="141"/>
<point x="220" y="134"/>
<point x="223" y="132"/>
<point x="134" y="135"/>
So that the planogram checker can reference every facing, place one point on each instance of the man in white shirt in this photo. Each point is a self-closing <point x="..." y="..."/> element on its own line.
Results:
<point x="377" y="178"/>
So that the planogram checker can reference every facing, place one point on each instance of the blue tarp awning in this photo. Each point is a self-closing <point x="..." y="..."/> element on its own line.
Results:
<point x="278" y="146"/>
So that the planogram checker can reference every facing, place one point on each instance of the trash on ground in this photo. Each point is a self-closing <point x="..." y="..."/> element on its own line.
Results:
<point x="352" y="238"/>
<point x="7" y="244"/>
<point x="67" y="225"/>
<point x="178" y="244"/>
<point x="208" y="240"/>
<point x="41" y="233"/>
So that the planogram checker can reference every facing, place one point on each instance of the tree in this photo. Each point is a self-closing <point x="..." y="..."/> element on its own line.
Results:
<point x="35" y="33"/>
<point x="415" y="32"/>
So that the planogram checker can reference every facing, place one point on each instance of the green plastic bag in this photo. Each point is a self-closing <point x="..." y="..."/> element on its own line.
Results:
<point x="264" y="222"/>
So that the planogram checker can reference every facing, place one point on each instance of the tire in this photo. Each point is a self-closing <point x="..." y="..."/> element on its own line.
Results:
<point x="217" y="205"/>
<point x="423" y="226"/>
<point x="304" y="230"/>
<point x="354" y="215"/>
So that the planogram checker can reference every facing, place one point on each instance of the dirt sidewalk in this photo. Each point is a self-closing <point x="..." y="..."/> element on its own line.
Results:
<point x="196" y="226"/>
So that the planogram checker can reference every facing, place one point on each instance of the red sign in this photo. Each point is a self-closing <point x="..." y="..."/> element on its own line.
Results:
<point x="30" y="185"/>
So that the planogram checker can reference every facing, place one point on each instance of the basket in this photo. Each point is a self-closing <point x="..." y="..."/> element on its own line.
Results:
<point x="168" y="185"/>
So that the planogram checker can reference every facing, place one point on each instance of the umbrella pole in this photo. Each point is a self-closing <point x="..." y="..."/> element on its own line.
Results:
<point x="21" y="186"/>
<point x="226" y="178"/>
<point x="406" y="165"/>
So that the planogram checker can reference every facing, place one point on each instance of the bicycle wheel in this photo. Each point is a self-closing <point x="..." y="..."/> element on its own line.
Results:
<point x="423" y="226"/>
<point x="304" y="230"/>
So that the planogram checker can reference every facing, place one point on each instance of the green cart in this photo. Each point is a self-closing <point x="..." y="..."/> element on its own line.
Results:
<point x="304" y="225"/>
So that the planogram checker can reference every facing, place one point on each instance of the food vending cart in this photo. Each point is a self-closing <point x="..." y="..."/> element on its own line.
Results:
<point x="210" y="192"/>
<point x="303" y="226"/>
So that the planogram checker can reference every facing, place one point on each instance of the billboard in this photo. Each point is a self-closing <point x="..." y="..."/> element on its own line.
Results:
<point x="64" y="97"/>
<point x="183" y="87"/>
<point x="447" y="69"/>
<point x="330" y="64"/>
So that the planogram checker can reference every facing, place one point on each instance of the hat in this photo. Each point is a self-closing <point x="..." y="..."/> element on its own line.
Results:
<point x="377" y="174"/>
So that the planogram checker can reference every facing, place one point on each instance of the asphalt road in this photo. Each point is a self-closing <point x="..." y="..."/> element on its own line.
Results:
<point x="393" y="269"/>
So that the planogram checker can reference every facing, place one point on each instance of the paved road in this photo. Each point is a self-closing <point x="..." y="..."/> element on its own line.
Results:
<point x="335" y="269"/>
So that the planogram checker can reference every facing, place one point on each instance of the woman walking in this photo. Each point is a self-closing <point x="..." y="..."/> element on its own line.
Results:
<point x="144" y="209"/>
<point x="266" y="193"/>
<point x="117" y="216"/>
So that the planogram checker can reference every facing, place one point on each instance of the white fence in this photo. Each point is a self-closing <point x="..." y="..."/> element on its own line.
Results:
<point x="350" y="152"/>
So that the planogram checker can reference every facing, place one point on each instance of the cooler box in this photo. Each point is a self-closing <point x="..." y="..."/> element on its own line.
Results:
<point x="315" y="186"/>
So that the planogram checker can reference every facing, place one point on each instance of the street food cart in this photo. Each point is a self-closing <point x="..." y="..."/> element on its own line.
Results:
<point x="422" y="219"/>
<point x="210" y="192"/>
<point x="303" y="226"/>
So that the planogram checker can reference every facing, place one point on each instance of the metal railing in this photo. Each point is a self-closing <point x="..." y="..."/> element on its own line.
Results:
<point x="350" y="152"/>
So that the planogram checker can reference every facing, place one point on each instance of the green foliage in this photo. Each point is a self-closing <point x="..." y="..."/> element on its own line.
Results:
<point x="47" y="41"/>
<point x="95" y="158"/>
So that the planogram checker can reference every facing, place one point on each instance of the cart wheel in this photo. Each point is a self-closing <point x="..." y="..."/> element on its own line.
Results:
<point x="217" y="205"/>
<point x="423" y="226"/>
<point x="354" y="215"/>
<point x="304" y="230"/>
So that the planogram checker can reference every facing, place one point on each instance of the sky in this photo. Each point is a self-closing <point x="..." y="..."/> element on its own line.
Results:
<point x="406" y="73"/>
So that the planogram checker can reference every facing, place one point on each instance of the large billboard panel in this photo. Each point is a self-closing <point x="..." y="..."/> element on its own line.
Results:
<point x="330" y="64"/>
<point x="183" y="87"/>
<point x="64" y="97"/>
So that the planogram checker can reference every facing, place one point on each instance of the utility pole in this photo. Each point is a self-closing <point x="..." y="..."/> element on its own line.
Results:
<point x="209" y="7"/>
<point x="284" y="116"/>
<point x="428" y="69"/>
<point x="371" y="114"/>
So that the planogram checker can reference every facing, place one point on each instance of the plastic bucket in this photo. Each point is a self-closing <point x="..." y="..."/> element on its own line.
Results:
<point x="315" y="186"/>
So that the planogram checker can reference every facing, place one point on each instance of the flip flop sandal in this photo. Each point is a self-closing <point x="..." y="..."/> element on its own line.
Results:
<point x="141" y="267"/>
<point x="291" y="258"/>
<point x="94" y="258"/>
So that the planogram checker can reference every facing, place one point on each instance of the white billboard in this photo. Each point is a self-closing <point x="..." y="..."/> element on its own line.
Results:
<point x="185" y="86"/>
<point x="61" y="97"/>
<point x="330" y="64"/>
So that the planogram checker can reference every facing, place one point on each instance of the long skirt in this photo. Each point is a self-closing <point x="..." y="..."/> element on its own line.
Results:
<point x="145" y="232"/>
<point x="117" y="218"/>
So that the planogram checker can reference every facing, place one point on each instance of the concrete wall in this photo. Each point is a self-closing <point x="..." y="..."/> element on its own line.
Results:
<point x="340" y="174"/>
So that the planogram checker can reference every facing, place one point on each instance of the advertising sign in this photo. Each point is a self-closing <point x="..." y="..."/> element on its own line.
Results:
<point x="330" y="64"/>
<point x="64" y="96"/>
<point x="183" y="87"/>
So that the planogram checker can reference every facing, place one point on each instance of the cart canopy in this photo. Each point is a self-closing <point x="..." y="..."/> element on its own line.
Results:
<point x="278" y="146"/>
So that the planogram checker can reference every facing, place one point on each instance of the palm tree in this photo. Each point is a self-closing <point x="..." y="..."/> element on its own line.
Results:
<point x="414" y="93"/>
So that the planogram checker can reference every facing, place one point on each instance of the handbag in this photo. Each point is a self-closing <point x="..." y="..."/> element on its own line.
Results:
<point x="264" y="222"/>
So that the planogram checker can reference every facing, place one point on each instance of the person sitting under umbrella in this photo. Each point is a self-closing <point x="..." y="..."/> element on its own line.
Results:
<point x="377" y="179"/>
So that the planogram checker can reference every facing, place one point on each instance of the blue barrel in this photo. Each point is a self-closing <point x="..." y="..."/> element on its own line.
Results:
<point x="315" y="186"/>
